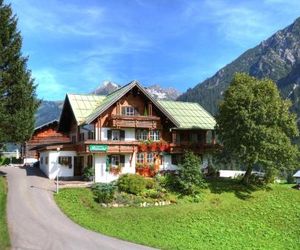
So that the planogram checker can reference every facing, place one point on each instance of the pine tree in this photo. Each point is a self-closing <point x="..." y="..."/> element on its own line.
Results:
<point x="18" y="101"/>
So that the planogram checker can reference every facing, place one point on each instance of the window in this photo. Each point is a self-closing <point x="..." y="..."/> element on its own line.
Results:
<point x="178" y="138"/>
<point x="209" y="137"/>
<point x="142" y="134"/>
<point x="41" y="160"/>
<point x="154" y="135"/>
<point x="81" y="137"/>
<point x="47" y="160"/>
<point x="116" y="135"/>
<point x="193" y="138"/>
<point x="90" y="135"/>
<point x="73" y="138"/>
<point x="150" y="157"/>
<point x="90" y="161"/>
<point x="176" y="159"/>
<point x="128" y="110"/>
<point x="116" y="160"/>
<point x="65" y="161"/>
<point x="140" y="158"/>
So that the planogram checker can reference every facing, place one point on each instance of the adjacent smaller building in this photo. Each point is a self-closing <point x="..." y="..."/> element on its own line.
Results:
<point x="44" y="135"/>
<point x="297" y="177"/>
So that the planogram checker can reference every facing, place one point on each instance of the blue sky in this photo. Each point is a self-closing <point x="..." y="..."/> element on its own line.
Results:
<point x="74" y="45"/>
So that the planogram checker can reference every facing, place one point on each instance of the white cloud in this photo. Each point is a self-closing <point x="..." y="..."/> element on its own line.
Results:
<point x="58" y="18"/>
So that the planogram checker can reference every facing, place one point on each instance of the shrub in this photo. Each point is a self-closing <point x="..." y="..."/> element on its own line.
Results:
<point x="189" y="177"/>
<point x="88" y="172"/>
<point x="104" y="192"/>
<point x="4" y="161"/>
<point x="132" y="183"/>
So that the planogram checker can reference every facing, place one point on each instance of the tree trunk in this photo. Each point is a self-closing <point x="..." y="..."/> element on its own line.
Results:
<point x="246" y="178"/>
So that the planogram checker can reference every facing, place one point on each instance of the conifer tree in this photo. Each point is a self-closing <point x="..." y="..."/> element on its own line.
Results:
<point x="18" y="101"/>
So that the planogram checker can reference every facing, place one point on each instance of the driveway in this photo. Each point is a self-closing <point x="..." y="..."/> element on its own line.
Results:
<point x="35" y="222"/>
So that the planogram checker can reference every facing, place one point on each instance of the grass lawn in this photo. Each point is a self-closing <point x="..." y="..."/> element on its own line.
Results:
<point x="229" y="217"/>
<point x="4" y="236"/>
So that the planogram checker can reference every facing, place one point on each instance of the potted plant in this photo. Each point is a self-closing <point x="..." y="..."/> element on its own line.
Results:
<point x="115" y="170"/>
<point x="161" y="146"/>
<point x="153" y="146"/>
<point x="143" y="147"/>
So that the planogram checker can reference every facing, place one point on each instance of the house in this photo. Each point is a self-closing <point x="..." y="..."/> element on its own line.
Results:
<point x="297" y="177"/>
<point x="45" y="134"/>
<point x="127" y="131"/>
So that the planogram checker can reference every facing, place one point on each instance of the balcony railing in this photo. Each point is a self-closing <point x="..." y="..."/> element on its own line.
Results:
<point x="120" y="121"/>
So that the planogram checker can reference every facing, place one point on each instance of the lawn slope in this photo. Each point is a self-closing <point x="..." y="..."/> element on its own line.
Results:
<point x="4" y="236"/>
<point x="225" y="219"/>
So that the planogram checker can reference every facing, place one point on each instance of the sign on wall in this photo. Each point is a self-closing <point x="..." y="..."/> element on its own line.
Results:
<point x="98" y="148"/>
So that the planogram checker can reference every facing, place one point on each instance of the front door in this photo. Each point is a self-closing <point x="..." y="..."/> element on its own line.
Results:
<point x="78" y="165"/>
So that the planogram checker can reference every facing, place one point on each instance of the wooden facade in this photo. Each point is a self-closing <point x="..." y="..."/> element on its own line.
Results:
<point x="46" y="134"/>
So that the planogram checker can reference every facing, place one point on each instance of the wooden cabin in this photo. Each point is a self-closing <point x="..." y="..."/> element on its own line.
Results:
<point x="45" y="134"/>
<point x="128" y="131"/>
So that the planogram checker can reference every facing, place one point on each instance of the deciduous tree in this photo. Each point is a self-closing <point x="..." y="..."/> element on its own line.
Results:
<point x="255" y="125"/>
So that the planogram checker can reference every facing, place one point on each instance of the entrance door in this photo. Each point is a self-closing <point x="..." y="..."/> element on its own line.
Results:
<point x="78" y="165"/>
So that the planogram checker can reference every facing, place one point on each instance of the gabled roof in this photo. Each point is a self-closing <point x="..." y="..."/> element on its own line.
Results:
<point x="184" y="115"/>
<point x="189" y="115"/>
<point x="297" y="174"/>
<point x="46" y="124"/>
<point x="83" y="105"/>
<point x="108" y="101"/>
<point x="119" y="93"/>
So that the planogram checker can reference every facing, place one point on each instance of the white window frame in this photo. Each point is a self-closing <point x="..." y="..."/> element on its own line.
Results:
<point x="128" y="111"/>
<point x="115" y="160"/>
<point x="140" y="158"/>
<point x="142" y="134"/>
<point x="150" y="158"/>
<point x="154" y="135"/>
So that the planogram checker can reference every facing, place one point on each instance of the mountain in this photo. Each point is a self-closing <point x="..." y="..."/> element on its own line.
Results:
<point x="277" y="58"/>
<point x="50" y="110"/>
<point x="163" y="93"/>
<point x="106" y="88"/>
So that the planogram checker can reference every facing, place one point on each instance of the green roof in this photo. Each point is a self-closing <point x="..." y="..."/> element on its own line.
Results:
<point x="185" y="115"/>
<point x="189" y="115"/>
<point x="109" y="100"/>
<point x="84" y="105"/>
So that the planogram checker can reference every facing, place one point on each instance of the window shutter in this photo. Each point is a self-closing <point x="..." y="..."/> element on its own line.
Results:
<point x="122" y="159"/>
<point x="109" y="159"/>
<point x="122" y="135"/>
<point x="108" y="134"/>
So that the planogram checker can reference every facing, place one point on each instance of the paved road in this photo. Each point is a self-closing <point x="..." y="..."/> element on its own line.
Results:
<point x="35" y="222"/>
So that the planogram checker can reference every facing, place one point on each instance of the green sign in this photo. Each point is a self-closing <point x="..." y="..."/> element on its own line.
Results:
<point x="98" y="148"/>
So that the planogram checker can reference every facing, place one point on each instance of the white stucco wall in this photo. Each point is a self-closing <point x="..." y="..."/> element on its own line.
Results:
<point x="51" y="169"/>
<point x="101" y="175"/>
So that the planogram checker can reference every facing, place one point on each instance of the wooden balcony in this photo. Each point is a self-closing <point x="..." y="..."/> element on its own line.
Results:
<point x="122" y="121"/>
<point x="196" y="147"/>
